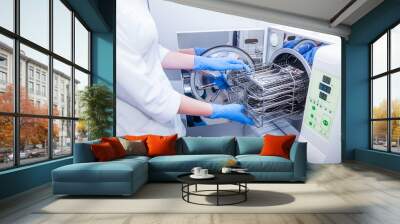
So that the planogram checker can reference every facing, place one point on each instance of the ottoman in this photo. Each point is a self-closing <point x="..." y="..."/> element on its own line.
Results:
<point x="119" y="177"/>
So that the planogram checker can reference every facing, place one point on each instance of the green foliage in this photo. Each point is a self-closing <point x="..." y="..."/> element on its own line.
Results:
<point x="380" y="127"/>
<point x="96" y="102"/>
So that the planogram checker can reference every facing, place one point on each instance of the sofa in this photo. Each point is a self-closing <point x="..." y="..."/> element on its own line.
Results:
<point x="125" y="176"/>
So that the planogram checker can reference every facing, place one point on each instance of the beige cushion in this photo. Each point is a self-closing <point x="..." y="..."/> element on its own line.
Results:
<point x="137" y="148"/>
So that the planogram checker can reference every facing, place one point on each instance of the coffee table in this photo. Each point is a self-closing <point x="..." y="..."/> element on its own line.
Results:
<point x="238" y="179"/>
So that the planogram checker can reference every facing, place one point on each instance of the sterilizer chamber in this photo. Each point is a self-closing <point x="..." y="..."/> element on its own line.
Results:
<point x="201" y="83"/>
<point x="269" y="91"/>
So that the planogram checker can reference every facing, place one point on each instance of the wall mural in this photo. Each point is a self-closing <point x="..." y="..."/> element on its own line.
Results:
<point x="294" y="86"/>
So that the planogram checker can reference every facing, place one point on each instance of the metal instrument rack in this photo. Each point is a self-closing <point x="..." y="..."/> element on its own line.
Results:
<point x="269" y="92"/>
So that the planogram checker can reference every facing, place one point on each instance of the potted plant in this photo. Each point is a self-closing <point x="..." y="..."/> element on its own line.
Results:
<point x="96" y="102"/>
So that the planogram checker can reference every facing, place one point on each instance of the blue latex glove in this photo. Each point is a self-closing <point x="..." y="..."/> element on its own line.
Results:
<point x="199" y="50"/>
<point x="220" y="81"/>
<point x="233" y="112"/>
<point x="301" y="49"/>
<point x="305" y="47"/>
<point x="291" y="43"/>
<point x="309" y="55"/>
<point x="218" y="64"/>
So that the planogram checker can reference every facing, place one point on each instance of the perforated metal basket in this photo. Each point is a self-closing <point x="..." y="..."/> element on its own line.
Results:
<point x="269" y="91"/>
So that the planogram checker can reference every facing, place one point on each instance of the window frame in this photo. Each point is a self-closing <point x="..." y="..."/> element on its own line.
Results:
<point x="389" y="73"/>
<point x="16" y="115"/>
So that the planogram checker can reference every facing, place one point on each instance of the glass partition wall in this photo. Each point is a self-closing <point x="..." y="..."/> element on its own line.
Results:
<point x="385" y="91"/>
<point x="44" y="64"/>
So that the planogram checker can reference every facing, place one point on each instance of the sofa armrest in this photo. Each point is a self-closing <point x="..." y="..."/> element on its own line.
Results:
<point x="298" y="155"/>
<point x="83" y="152"/>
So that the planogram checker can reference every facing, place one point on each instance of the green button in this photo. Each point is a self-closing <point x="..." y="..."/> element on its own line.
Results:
<point x="325" y="122"/>
<point x="310" y="123"/>
<point x="312" y="115"/>
<point x="313" y="107"/>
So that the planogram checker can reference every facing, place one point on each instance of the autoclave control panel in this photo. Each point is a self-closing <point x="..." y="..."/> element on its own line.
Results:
<point x="322" y="102"/>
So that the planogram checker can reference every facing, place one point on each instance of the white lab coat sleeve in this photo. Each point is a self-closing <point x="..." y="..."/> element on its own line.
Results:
<point x="163" y="51"/>
<point x="160" y="102"/>
<point x="136" y="88"/>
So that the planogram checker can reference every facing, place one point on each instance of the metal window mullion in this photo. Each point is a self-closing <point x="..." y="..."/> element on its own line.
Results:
<point x="50" y="81"/>
<point x="7" y="33"/>
<point x="383" y="119"/>
<point x="114" y="74"/>
<point x="89" y="52"/>
<point x="84" y="70"/>
<point x="390" y="71"/>
<point x="73" y="82"/>
<point x="43" y="50"/>
<point x="389" y="99"/>
<point x="16" y="84"/>
<point x="371" y="137"/>
<point x="379" y="75"/>
<point x="17" y="41"/>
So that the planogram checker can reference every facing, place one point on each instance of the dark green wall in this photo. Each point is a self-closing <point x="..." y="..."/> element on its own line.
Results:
<point x="356" y="89"/>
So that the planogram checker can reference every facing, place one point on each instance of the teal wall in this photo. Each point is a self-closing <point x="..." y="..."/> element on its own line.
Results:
<point x="24" y="178"/>
<point x="103" y="52"/>
<point x="356" y="60"/>
<point x="381" y="159"/>
<point x="102" y="61"/>
<point x="99" y="15"/>
<point x="92" y="12"/>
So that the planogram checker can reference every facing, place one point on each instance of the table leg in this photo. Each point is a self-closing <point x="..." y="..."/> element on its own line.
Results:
<point x="217" y="194"/>
<point x="195" y="188"/>
<point x="188" y="190"/>
<point x="245" y="193"/>
<point x="182" y="190"/>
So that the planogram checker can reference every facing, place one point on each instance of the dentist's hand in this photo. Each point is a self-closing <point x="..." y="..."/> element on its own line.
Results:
<point x="218" y="64"/>
<point x="233" y="112"/>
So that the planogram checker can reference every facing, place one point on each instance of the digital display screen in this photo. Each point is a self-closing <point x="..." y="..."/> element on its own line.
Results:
<point x="323" y="95"/>
<point x="324" y="88"/>
<point x="326" y="79"/>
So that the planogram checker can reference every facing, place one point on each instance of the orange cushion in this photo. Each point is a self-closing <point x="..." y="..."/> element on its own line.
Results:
<point x="103" y="152"/>
<point x="116" y="145"/>
<point x="161" y="145"/>
<point x="136" y="137"/>
<point x="277" y="145"/>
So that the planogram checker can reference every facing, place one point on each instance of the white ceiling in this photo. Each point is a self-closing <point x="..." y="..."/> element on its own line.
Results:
<point x="324" y="16"/>
<point x="320" y="9"/>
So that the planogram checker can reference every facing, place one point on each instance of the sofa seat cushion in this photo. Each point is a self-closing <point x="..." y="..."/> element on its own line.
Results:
<point x="113" y="171"/>
<point x="185" y="163"/>
<point x="133" y="158"/>
<point x="249" y="145"/>
<point x="257" y="163"/>
<point x="206" y="145"/>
